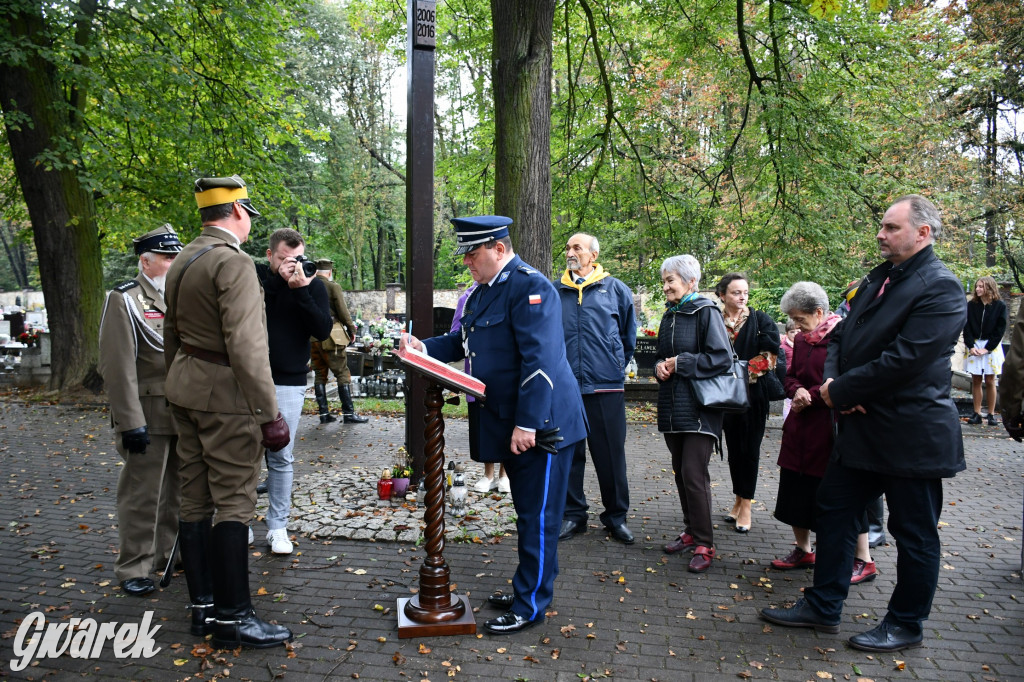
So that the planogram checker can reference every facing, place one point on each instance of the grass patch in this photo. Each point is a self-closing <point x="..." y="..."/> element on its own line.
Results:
<point x="389" y="407"/>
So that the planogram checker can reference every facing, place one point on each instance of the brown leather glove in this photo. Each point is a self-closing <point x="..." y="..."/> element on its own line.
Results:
<point x="1014" y="426"/>
<point x="275" y="434"/>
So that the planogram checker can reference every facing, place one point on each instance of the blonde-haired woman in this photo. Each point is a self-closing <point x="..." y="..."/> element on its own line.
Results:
<point x="983" y="338"/>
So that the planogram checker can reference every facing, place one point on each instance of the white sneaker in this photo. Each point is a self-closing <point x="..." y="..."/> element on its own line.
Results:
<point x="485" y="485"/>
<point x="252" y="538"/>
<point x="503" y="485"/>
<point x="279" y="542"/>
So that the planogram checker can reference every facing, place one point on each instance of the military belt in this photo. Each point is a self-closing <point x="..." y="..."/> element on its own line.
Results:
<point x="207" y="355"/>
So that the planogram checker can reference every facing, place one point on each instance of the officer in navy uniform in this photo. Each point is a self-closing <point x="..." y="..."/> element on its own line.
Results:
<point x="512" y="334"/>
<point x="132" y="364"/>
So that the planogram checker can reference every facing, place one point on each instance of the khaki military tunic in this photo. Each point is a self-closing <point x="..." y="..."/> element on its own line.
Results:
<point x="133" y="369"/>
<point x="335" y="359"/>
<point x="217" y="308"/>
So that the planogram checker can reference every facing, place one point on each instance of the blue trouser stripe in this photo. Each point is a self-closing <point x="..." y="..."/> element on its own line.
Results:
<point x="542" y="518"/>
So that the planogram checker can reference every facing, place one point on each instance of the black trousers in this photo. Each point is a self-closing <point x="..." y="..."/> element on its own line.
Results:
<point x="914" y="508"/>
<point x="743" y="435"/>
<point x="606" y="413"/>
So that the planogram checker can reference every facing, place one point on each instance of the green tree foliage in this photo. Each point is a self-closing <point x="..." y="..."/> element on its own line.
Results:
<point x="111" y="110"/>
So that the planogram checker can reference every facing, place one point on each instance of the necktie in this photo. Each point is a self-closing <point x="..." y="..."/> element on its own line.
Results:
<point x="581" y="280"/>
<point x="882" y="290"/>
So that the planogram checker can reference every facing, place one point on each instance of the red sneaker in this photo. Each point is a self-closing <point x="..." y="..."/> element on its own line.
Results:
<point x="796" y="559"/>
<point x="701" y="561"/>
<point x="863" y="572"/>
<point x="682" y="543"/>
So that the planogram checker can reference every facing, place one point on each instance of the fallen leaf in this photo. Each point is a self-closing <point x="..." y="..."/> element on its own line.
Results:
<point x="180" y="661"/>
<point x="822" y="675"/>
<point x="398" y="659"/>
<point x="424" y="649"/>
<point x="262" y="591"/>
<point x="555" y="653"/>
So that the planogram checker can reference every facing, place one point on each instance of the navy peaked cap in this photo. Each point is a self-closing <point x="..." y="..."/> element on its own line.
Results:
<point x="161" y="240"/>
<point x="476" y="230"/>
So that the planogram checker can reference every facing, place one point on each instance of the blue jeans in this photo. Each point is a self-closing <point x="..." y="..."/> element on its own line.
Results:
<point x="279" y="462"/>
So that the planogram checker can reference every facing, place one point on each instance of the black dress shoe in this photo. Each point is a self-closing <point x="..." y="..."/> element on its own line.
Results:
<point x="975" y="419"/>
<point x="501" y="600"/>
<point x="508" y="623"/>
<point x="886" y="637"/>
<point x="261" y="489"/>
<point x="138" y="587"/>
<point x="570" y="528"/>
<point x="802" y="615"/>
<point x="621" y="533"/>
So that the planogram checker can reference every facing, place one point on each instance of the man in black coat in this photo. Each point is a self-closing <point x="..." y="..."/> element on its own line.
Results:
<point x="888" y="375"/>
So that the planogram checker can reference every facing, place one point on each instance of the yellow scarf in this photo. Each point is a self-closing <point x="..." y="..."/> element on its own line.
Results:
<point x="595" y="275"/>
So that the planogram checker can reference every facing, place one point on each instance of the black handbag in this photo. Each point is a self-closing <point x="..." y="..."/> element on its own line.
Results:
<point x="727" y="391"/>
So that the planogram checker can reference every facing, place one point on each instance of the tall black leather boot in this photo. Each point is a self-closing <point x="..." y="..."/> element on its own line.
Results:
<point x="236" y="623"/>
<point x="194" y="546"/>
<point x="322" y="405"/>
<point x="347" y="408"/>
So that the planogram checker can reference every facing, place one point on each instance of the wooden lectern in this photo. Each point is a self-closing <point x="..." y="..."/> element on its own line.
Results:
<point x="436" y="610"/>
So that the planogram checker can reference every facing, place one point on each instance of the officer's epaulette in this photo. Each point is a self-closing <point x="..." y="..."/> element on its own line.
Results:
<point x="125" y="286"/>
<point x="526" y="270"/>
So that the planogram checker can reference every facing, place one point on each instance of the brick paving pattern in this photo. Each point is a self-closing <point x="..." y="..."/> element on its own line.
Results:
<point x="620" y="612"/>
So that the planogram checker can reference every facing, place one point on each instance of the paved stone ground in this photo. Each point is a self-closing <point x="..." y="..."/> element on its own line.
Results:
<point x="619" y="612"/>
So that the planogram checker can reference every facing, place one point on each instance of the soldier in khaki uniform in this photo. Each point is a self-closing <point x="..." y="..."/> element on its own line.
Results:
<point x="330" y="354"/>
<point x="225" y="409"/>
<point x="133" y="369"/>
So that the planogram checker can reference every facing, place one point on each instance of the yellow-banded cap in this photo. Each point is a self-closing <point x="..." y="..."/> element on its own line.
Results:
<point x="217" y="191"/>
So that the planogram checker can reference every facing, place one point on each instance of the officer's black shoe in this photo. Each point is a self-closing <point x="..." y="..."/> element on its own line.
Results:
<point x="261" y="489"/>
<point x="500" y="600"/>
<point x="138" y="587"/>
<point x="509" y="622"/>
<point x="992" y="421"/>
<point x="802" y="615"/>
<point x="975" y="419"/>
<point x="354" y="418"/>
<point x="245" y="628"/>
<point x="570" y="528"/>
<point x="886" y="637"/>
<point x="621" y="533"/>
<point x="327" y="418"/>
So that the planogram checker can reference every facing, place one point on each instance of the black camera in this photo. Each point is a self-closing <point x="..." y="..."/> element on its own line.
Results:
<point x="308" y="266"/>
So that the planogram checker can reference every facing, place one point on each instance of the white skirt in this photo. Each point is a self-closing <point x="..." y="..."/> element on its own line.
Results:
<point x="989" y="363"/>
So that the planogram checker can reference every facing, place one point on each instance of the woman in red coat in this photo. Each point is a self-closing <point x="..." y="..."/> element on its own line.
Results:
<point x="807" y="431"/>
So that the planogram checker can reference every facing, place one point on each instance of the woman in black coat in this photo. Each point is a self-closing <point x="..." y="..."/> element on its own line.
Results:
<point x="755" y="338"/>
<point x="692" y="344"/>
<point x="983" y="338"/>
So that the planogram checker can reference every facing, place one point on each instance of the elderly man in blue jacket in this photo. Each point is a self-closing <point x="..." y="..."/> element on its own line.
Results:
<point x="600" y="335"/>
<point x="888" y="374"/>
<point x="533" y="415"/>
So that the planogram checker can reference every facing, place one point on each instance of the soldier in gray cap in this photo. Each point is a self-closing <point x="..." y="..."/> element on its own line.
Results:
<point x="225" y="410"/>
<point x="133" y="369"/>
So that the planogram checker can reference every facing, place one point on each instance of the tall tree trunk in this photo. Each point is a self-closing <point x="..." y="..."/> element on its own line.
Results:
<point x="61" y="210"/>
<point x="521" y="64"/>
<point x="991" y="158"/>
